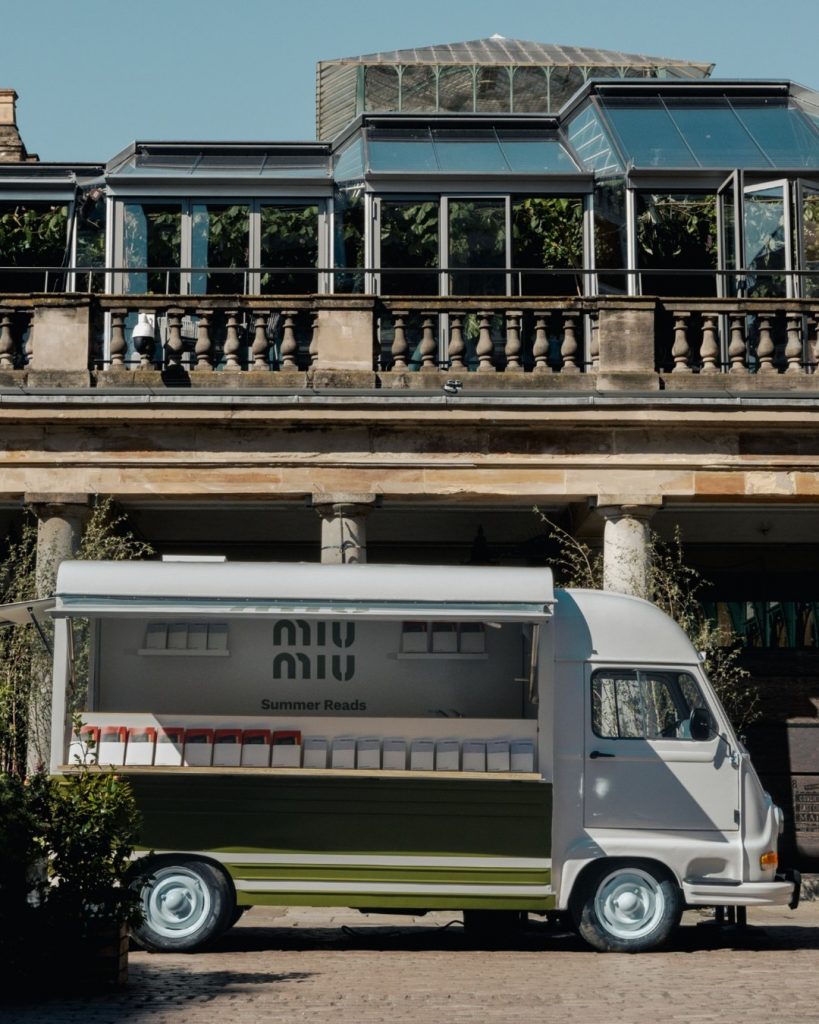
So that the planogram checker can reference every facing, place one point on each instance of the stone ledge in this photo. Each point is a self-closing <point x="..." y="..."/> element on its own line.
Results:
<point x="217" y="380"/>
<point x="63" y="379"/>
<point x="627" y="380"/>
<point x="434" y="380"/>
<point x="731" y="382"/>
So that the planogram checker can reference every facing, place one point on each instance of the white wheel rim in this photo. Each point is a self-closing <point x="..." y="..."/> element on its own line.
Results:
<point x="629" y="904"/>
<point x="176" y="902"/>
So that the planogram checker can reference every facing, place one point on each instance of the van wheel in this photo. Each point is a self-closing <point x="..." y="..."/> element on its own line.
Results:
<point x="185" y="902"/>
<point x="628" y="908"/>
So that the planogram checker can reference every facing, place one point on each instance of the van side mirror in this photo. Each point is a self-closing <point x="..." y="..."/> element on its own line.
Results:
<point x="700" y="724"/>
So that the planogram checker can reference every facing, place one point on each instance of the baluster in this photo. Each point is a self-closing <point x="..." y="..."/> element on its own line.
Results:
<point x="512" y="348"/>
<point x="569" y="347"/>
<point x="793" y="349"/>
<point x="6" y="340"/>
<point x="313" y="350"/>
<point x="709" y="349"/>
<point x="737" y="349"/>
<point x="119" y="345"/>
<point x="203" y="350"/>
<point x="681" y="351"/>
<point x="594" y="340"/>
<point x="232" y="345"/>
<point x="399" y="350"/>
<point x="260" y="349"/>
<point x="457" y="345"/>
<point x="290" y="347"/>
<point x="428" y="348"/>
<point x="765" y="344"/>
<point x="175" y="346"/>
<point x="540" y="350"/>
<point x="486" y="347"/>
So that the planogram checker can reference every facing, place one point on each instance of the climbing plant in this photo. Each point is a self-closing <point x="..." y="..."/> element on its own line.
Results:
<point x="106" y="536"/>
<point x="675" y="587"/>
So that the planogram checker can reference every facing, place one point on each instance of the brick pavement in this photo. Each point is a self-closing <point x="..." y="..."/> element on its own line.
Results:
<point x="302" y="964"/>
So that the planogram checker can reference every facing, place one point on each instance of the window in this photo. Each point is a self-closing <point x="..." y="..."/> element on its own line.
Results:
<point x="152" y="234"/>
<point x="631" y="704"/>
<point x="33" y="234"/>
<point x="677" y="231"/>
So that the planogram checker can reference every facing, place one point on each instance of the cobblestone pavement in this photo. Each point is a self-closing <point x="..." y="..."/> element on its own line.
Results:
<point x="305" y="964"/>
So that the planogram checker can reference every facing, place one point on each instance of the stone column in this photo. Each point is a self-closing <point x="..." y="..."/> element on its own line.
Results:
<point x="343" y="526"/>
<point x="60" y="521"/>
<point x="627" y="544"/>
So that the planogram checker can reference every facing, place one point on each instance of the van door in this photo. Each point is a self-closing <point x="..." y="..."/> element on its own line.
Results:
<point x="642" y="768"/>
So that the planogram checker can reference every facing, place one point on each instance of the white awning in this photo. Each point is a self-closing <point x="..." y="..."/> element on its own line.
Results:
<point x="23" y="613"/>
<point x="459" y="593"/>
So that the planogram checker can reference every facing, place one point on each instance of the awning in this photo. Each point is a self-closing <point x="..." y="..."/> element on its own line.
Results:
<point x="25" y="613"/>
<point x="261" y="590"/>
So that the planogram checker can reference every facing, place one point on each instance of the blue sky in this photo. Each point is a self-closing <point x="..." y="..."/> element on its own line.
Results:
<point x="93" y="77"/>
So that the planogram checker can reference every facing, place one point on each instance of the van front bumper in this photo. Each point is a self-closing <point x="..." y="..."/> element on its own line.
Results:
<point x="743" y="894"/>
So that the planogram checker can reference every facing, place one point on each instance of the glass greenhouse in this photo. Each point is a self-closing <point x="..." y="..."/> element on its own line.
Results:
<point x="638" y="175"/>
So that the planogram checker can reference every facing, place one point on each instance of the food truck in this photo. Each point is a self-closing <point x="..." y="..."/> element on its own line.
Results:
<point x="409" y="738"/>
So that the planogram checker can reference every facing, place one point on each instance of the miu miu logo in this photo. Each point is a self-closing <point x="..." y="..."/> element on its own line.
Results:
<point x="315" y="664"/>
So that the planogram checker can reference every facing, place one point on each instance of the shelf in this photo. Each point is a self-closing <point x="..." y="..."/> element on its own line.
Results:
<point x="177" y="652"/>
<point x="351" y="773"/>
<point x="439" y="656"/>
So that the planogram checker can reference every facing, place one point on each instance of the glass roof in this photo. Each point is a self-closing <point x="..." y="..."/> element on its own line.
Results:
<point x="711" y="132"/>
<point x="592" y="143"/>
<point x="498" y="49"/>
<point x="465" y="151"/>
<point x="262" y="164"/>
<point x="349" y="162"/>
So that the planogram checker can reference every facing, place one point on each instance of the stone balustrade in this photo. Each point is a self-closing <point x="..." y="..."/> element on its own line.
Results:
<point x="742" y="337"/>
<point x="580" y="343"/>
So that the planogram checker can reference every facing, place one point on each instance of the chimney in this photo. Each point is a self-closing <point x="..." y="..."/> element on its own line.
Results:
<point x="12" y="149"/>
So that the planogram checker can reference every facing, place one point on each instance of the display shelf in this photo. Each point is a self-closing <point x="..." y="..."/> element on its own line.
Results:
<point x="349" y="773"/>
<point x="440" y="656"/>
<point x="178" y="652"/>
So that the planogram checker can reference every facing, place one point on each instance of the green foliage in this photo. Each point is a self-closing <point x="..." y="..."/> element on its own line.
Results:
<point x="91" y="239"/>
<point x="547" y="232"/>
<point x="33" y="234"/>
<point x="107" y="537"/>
<point x="89" y="836"/>
<point x="153" y="238"/>
<point x="673" y="586"/>
<point x="17" y="644"/>
<point x="65" y="853"/>
<point x="677" y="230"/>
<point x="24" y="813"/>
<point x="289" y="239"/>
<point x="409" y="234"/>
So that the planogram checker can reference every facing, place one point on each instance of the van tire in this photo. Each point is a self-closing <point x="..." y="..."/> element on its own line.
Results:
<point x="627" y="907"/>
<point x="186" y="903"/>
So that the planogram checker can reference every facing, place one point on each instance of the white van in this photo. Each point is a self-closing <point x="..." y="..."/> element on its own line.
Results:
<point x="410" y="738"/>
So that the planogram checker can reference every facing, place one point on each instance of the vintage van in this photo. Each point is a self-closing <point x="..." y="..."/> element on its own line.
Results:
<point x="415" y="738"/>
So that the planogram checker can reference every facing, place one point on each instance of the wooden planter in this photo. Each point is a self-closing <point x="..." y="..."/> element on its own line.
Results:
<point x="96" y="961"/>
